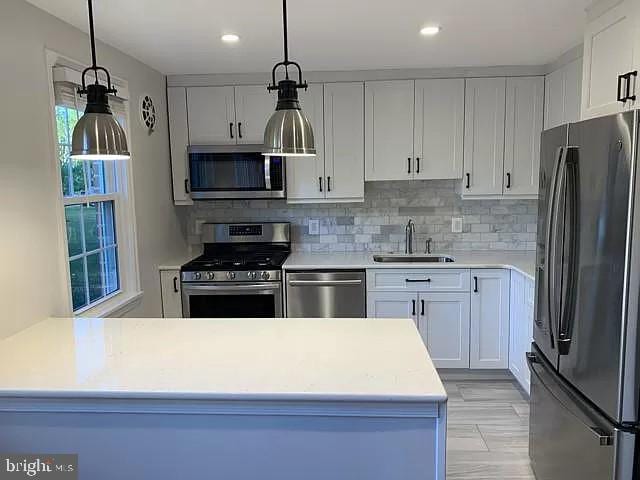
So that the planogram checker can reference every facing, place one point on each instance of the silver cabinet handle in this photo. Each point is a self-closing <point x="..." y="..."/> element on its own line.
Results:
<point x="324" y="283"/>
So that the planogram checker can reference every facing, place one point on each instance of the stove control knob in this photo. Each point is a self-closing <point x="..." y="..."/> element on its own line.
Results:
<point x="265" y="275"/>
<point x="211" y="275"/>
<point x="197" y="275"/>
<point x="252" y="275"/>
<point x="231" y="275"/>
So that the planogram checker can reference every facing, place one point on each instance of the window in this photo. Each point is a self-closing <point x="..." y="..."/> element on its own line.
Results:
<point x="95" y="203"/>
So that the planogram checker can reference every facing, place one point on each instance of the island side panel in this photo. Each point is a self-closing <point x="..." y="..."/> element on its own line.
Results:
<point x="283" y="447"/>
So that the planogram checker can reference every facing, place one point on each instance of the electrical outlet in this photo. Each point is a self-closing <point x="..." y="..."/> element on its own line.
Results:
<point x="314" y="227"/>
<point x="456" y="224"/>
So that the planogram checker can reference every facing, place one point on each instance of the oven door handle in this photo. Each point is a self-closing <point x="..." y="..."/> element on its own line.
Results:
<point x="267" y="173"/>
<point x="212" y="288"/>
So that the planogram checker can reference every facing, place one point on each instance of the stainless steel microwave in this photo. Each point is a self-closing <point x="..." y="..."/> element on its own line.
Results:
<point x="235" y="172"/>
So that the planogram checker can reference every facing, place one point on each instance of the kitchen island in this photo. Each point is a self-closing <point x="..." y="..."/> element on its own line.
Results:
<point x="233" y="399"/>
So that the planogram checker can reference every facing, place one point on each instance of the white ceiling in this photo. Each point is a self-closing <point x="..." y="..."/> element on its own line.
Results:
<point x="183" y="36"/>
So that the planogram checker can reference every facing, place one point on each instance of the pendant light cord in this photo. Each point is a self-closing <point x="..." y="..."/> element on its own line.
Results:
<point x="94" y="63"/>
<point x="92" y="36"/>
<point x="286" y="38"/>
<point x="286" y="62"/>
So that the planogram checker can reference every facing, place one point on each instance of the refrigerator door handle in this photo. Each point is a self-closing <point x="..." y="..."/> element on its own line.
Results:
<point x="549" y="266"/>
<point x="604" y="439"/>
<point x="570" y="178"/>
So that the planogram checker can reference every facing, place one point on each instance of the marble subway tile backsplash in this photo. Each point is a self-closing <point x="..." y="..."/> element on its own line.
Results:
<point x="378" y="224"/>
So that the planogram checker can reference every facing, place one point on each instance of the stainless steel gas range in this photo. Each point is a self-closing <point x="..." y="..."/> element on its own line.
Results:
<point x="239" y="275"/>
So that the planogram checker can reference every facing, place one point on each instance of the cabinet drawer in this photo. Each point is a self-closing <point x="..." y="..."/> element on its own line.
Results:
<point x="440" y="280"/>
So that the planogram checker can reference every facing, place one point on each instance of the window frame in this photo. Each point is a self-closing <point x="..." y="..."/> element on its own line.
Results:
<point x="129" y="293"/>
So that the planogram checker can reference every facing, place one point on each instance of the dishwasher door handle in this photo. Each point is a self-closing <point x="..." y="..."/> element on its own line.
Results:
<point x="324" y="283"/>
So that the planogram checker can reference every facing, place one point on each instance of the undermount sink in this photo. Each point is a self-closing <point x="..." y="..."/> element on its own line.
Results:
<point x="399" y="258"/>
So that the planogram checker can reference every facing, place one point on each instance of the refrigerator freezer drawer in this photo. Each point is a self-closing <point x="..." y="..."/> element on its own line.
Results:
<point x="568" y="440"/>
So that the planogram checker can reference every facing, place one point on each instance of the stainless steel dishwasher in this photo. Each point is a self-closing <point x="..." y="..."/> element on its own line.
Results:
<point x="326" y="294"/>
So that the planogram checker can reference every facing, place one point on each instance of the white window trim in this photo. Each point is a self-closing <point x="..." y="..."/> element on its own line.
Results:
<point x="130" y="294"/>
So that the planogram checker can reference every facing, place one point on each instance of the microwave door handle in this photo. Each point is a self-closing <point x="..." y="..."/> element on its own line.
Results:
<point x="267" y="173"/>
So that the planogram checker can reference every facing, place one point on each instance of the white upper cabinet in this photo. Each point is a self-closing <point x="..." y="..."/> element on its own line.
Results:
<point x="484" y="136"/>
<point x="563" y="90"/>
<point x="211" y="113"/>
<point x="344" y="140"/>
<point x="523" y="127"/>
<point x="438" y="128"/>
<point x="336" y="174"/>
<point x="610" y="51"/>
<point x="179" y="142"/>
<point x="389" y="130"/>
<point x="254" y="106"/>
<point x="305" y="175"/>
<point x="489" y="339"/>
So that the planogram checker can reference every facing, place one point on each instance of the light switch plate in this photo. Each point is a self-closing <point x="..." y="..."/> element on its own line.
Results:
<point x="456" y="224"/>
<point x="314" y="226"/>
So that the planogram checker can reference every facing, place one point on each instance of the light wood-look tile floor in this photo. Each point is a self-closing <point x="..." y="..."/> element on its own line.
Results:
<point x="488" y="431"/>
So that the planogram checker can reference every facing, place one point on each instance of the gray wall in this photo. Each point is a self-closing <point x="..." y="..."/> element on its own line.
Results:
<point x="378" y="223"/>
<point x="33" y="284"/>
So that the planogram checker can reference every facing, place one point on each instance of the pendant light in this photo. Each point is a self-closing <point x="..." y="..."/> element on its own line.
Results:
<point x="97" y="135"/>
<point x="288" y="131"/>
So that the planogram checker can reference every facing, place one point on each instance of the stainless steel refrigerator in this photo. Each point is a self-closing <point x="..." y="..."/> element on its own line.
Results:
<point x="585" y="377"/>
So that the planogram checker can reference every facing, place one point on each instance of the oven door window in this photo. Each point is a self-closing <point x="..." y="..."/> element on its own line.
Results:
<point x="225" y="303"/>
<point x="234" y="172"/>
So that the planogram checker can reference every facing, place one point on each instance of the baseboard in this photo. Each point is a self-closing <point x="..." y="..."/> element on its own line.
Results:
<point x="461" y="374"/>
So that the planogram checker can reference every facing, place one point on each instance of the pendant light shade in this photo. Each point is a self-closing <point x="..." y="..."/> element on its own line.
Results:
<point x="288" y="132"/>
<point x="97" y="135"/>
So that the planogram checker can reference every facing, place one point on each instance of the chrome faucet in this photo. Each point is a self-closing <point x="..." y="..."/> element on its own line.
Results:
<point x="427" y="248"/>
<point x="409" y="232"/>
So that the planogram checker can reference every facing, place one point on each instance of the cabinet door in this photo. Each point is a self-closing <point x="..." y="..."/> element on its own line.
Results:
<point x="554" y="99"/>
<point x="572" y="73"/>
<point x="170" y="293"/>
<point x="439" y="128"/>
<point x="389" y="130"/>
<point x="608" y="53"/>
<point x="211" y="113"/>
<point x="392" y="305"/>
<point x="254" y="107"/>
<point x="489" y="341"/>
<point x="179" y="141"/>
<point x="344" y="140"/>
<point x="484" y="136"/>
<point x="562" y="95"/>
<point x="517" y="328"/>
<point x="524" y="117"/>
<point x="443" y="322"/>
<point x="305" y="175"/>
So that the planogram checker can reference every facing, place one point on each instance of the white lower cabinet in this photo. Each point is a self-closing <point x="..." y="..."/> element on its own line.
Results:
<point x="392" y="305"/>
<point x="443" y="322"/>
<point x="170" y="291"/>
<point x="489" y="340"/>
<point x="521" y="327"/>
<point x="442" y="317"/>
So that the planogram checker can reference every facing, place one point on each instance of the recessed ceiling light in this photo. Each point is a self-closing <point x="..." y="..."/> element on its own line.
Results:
<point x="430" y="30"/>
<point x="230" y="38"/>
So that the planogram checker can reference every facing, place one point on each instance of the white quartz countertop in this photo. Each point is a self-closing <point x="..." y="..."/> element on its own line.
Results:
<point x="235" y="359"/>
<point x="523" y="262"/>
